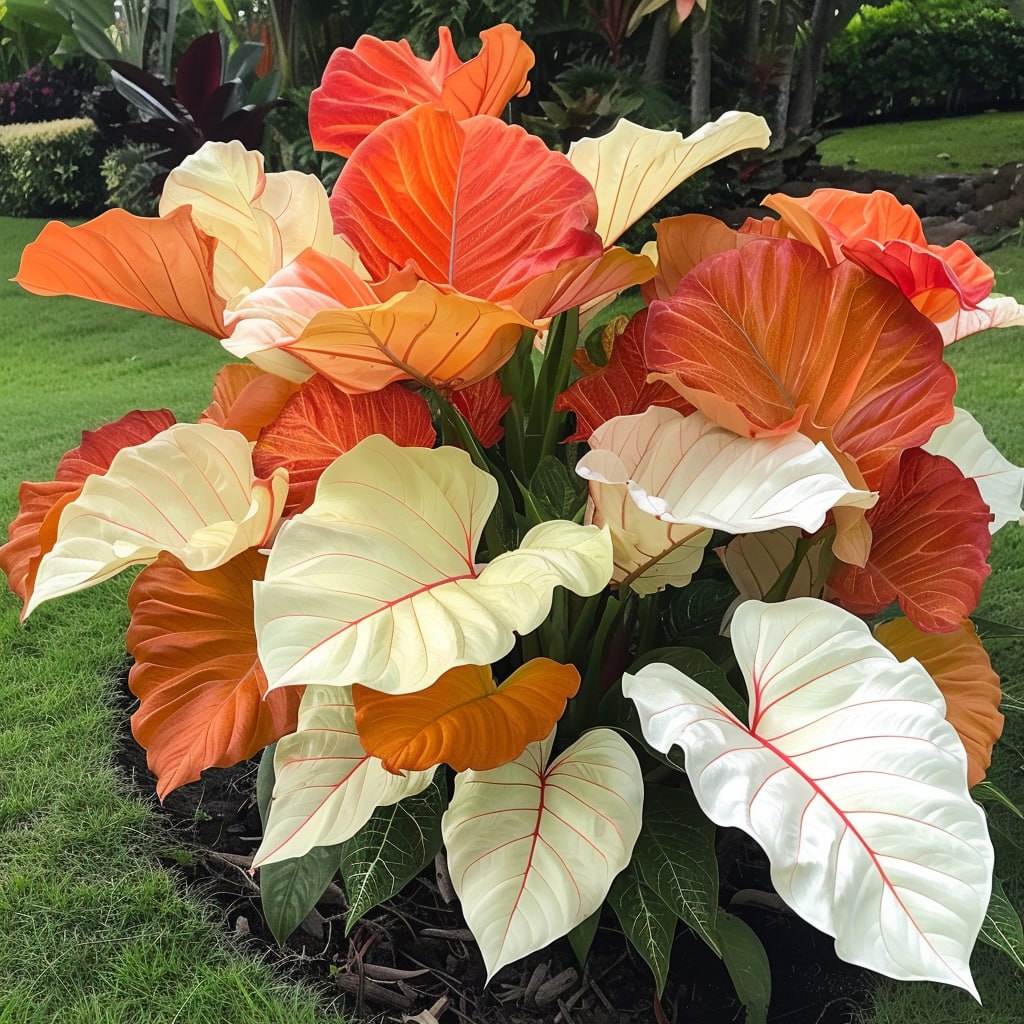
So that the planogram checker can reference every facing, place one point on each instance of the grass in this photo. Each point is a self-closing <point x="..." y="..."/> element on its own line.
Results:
<point x="962" y="144"/>
<point x="92" y="930"/>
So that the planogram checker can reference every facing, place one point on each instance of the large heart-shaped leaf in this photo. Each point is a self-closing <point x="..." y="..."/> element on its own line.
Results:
<point x="163" y="266"/>
<point x="930" y="542"/>
<point x="960" y="666"/>
<point x="464" y="719"/>
<point x="190" y="491"/>
<point x="1000" y="482"/>
<point x="632" y="168"/>
<point x="376" y="583"/>
<point x="34" y="530"/>
<point x="203" y="698"/>
<point x="326" y="787"/>
<point x="321" y="422"/>
<point x="478" y="205"/>
<point x="533" y="847"/>
<point x="848" y="775"/>
<point x="769" y="339"/>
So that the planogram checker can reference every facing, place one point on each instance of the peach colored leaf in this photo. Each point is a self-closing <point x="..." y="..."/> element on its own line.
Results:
<point x="190" y="490"/>
<point x="533" y="846"/>
<point x="770" y="339"/>
<point x="203" y="699"/>
<point x="995" y="311"/>
<point x="376" y="80"/>
<point x="246" y="399"/>
<point x="477" y="205"/>
<point x="633" y="168"/>
<point x="34" y="530"/>
<point x="848" y="776"/>
<point x="326" y="786"/>
<point x="930" y="542"/>
<point x="961" y="669"/>
<point x="464" y="719"/>
<point x="162" y="266"/>
<point x="376" y="583"/>
<point x="320" y="423"/>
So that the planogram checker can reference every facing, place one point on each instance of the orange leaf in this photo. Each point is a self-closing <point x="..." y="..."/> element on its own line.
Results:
<point x="448" y="339"/>
<point x="930" y="542"/>
<point x="320" y="422"/>
<point x="203" y="698"/>
<point x="484" y="406"/>
<point x="769" y="339"/>
<point x="377" y="80"/>
<point x="620" y="388"/>
<point x="464" y="719"/>
<point x="34" y="530"/>
<point x="246" y="399"/>
<point x="159" y="265"/>
<point x="960" y="666"/>
<point x="478" y="205"/>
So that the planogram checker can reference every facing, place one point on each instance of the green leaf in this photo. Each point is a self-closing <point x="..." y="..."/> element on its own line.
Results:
<point x="648" y="923"/>
<point x="91" y="21"/>
<point x="290" y="889"/>
<point x="699" y="608"/>
<point x="581" y="938"/>
<point x="392" y="848"/>
<point x="1001" y="927"/>
<point x="701" y="669"/>
<point x="243" y="59"/>
<point x="747" y="964"/>
<point x="558" y="493"/>
<point x="989" y="793"/>
<point x="989" y="630"/>
<point x="675" y="858"/>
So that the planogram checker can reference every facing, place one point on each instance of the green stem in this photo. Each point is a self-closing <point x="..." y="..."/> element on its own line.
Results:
<point x="582" y="710"/>
<point x="780" y="588"/>
<point x="649" y="617"/>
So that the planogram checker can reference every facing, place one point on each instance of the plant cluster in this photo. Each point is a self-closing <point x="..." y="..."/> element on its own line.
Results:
<point x="472" y="568"/>
<point x="45" y="93"/>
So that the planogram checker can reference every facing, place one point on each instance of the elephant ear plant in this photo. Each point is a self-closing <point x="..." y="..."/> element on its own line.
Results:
<point x="476" y="565"/>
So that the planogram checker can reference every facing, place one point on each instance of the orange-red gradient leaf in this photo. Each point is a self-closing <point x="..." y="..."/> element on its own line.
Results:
<point x="464" y="719"/>
<point x="159" y="265"/>
<point x="321" y="422"/>
<point x="378" y="79"/>
<point x="960" y="666"/>
<point x="34" y="531"/>
<point x="246" y="399"/>
<point x="620" y="388"/>
<point x="203" y="698"/>
<point x="484" y="406"/>
<point x="930" y="542"/>
<point x="769" y="339"/>
<point x="479" y="204"/>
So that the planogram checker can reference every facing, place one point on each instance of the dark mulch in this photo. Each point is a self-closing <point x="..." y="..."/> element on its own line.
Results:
<point x="413" y="958"/>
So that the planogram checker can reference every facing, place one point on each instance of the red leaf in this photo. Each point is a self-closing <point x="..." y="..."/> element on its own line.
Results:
<point x="477" y="204"/>
<point x="320" y="422"/>
<point x="34" y="530"/>
<point x="770" y="339"/>
<point x="378" y="80"/>
<point x="203" y="698"/>
<point x="484" y="406"/>
<point x="930" y="542"/>
<point x="620" y="388"/>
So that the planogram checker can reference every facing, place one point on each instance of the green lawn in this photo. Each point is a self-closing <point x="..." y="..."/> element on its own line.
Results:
<point x="92" y="930"/>
<point x="961" y="144"/>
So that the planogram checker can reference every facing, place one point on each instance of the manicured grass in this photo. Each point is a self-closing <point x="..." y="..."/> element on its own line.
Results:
<point x="92" y="930"/>
<point x="962" y="144"/>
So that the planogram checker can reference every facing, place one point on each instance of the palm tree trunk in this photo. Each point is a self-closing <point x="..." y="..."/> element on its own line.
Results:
<point x="812" y="59"/>
<point x="657" y="49"/>
<point x="700" y="70"/>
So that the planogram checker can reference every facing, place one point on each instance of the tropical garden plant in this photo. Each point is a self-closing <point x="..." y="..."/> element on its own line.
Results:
<point x="476" y="567"/>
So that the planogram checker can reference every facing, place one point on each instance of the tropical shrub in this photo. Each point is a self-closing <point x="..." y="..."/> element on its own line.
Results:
<point x="920" y="58"/>
<point x="45" y="93"/>
<point x="471" y="570"/>
<point x="52" y="168"/>
<point x="128" y="174"/>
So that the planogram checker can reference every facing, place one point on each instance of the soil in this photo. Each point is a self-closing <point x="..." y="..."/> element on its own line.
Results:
<point x="413" y="959"/>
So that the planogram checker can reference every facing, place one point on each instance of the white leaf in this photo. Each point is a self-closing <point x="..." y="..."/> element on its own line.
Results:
<point x="1000" y="482"/>
<point x="850" y="778"/>
<point x="326" y="786"/>
<point x="190" y="490"/>
<point x="376" y="582"/>
<point x="533" y="850"/>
